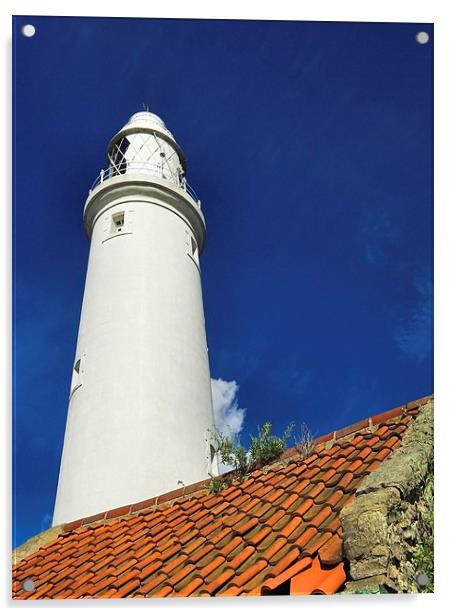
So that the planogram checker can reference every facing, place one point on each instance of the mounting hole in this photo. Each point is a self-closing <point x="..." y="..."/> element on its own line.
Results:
<point x="422" y="38"/>
<point x="28" y="585"/>
<point x="28" y="30"/>
<point x="422" y="579"/>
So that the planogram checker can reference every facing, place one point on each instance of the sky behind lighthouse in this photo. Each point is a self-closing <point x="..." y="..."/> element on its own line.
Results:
<point x="310" y="146"/>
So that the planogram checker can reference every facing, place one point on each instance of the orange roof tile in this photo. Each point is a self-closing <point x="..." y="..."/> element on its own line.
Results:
<point x="276" y="532"/>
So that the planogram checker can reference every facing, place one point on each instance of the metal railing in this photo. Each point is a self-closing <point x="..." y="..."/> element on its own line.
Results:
<point x="144" y="168"/>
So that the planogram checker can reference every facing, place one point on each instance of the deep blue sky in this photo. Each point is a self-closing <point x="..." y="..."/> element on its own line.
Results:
<point x="310" y="145"/>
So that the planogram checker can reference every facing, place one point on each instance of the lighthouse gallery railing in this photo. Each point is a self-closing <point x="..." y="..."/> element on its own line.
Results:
<point x="143" y="168"/>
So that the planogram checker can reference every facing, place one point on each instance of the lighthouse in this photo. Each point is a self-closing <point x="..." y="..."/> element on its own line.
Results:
<point x="140" y="404"/>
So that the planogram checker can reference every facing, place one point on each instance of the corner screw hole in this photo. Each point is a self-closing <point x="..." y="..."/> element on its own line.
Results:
<point x="28" y="30"/>
<point x="422" y="38"/>
<point x="422" y="579"/>
<point x="28" y="585"/>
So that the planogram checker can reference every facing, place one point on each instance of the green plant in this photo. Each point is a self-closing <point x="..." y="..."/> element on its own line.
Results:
<point x="216" y="485"/>
<point x="231" y="453"/>
<point x="381" y="590"/>
<point x="266" y="447"/>
<point x="424" y="554"/>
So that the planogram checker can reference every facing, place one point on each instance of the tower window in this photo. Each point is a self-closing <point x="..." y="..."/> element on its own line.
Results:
<point x="76" y="377"/>
<point x="117" y="222"/>
<point x="192" y="249"/>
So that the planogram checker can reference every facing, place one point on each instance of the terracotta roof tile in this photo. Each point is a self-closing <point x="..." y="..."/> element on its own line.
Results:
<point x="190" y="588"/>
<point x="318" y="540"/>
<point x="382" y="431"/>
<point x="184" y="572"/>
<point x="291" y="556"/>
<point x="303" y="539"/>
<point x="331" y="552"/>
<point x="280" y="525"/>
<point x="374" y="465"/>
<point x="274" y="548"/>
<point x="242" y="556"/>
<point x="220" y="580"/>
<point x="152" y="583"/>
<point x="333" y="523"/>
<point x="150" y="569"/>
<point x="222" y="537"/>
<point x="250" y="572"/>
<point x="274" y="581"/>
<point x="234" y="519"/>
<point x="291" y="526"/>
<point x="259" y="535"/>
<point x="317" y="580"/>
<point x="250" y="504"/>
<point x="289" y="501"/>
<point x="316" y="489"/>
<point x="345" y="481"/>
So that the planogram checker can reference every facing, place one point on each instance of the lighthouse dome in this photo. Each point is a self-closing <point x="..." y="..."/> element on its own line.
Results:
<point x="145" y="118"/>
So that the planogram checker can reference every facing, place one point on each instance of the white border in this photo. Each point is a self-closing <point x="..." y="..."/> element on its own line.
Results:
<point x="436" y="11"/>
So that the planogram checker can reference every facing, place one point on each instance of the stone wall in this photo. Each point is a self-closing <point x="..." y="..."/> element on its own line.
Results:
<point x="34" y="543"/>
<point x="384" y="527"/>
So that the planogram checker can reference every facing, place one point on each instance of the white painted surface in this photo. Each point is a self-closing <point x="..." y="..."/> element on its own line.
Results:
<point x="141" y="400"/>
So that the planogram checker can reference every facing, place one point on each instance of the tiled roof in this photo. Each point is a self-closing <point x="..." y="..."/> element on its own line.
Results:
<point x="277" y="532"/>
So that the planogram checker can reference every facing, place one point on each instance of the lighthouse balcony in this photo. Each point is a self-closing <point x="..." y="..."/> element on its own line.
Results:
<point x="150" y="170"/>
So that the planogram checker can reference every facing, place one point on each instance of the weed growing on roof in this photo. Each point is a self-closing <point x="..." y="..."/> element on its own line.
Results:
<point x="216" y="484"/>
<point x="265" y="448"/>
<point x="304" y="441"/>
<point x="232" y="453"/>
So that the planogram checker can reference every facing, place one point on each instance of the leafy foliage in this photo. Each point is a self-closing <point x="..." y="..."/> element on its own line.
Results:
<point x="231" y="453"/>
<point x="424" y="555"/>
<point x="265" y="448"/>
<point x="380" y="590"/>
<point x="216" y="485"/>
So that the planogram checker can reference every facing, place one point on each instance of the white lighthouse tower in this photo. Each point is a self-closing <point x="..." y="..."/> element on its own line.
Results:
<point x="140" y="406"/>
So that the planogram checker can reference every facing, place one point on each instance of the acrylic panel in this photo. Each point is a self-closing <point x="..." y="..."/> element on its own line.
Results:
<point x="223" y="308"/>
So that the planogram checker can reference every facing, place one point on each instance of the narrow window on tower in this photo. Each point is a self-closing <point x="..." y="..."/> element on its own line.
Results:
<point x="193" y="246"/>
<point x="194" y="250"/>
<point x="76" y="378"/>
<point x="117" y="223"/>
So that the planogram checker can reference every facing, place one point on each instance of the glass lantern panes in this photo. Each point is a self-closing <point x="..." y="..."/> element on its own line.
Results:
<point x="145" y="153"/>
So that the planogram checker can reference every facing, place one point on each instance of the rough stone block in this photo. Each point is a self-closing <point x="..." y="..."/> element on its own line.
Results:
<point x="381" y="526"/>
<point x="371" y="585"/>
<point x="367" y="567"/>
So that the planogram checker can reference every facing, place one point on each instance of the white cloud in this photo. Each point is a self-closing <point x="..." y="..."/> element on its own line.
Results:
<point x="228" y="416"/>
<point x="46" y="521"/>
<point x="415" y="337"/>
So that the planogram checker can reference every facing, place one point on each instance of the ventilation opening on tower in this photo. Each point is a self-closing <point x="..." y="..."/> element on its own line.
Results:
<point x="76" y="378"/>
<point x="117" y="222"/>
<point x="192" y="250"/>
